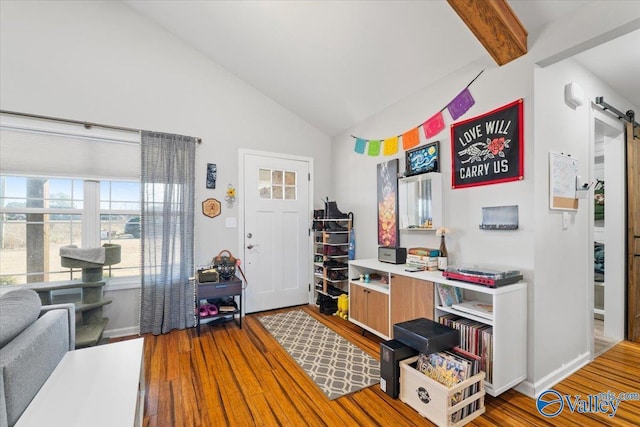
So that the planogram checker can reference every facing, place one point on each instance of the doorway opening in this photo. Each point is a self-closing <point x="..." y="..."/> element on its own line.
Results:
<point x="608" y="232"/>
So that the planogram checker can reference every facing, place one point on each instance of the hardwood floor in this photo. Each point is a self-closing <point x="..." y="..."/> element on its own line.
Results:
<point x="242" y="377"/>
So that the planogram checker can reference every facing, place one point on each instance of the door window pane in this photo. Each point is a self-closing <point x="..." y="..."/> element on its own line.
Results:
<point x="277" y="184"/>
<point x="264" y="183"/>
<point x="277" y="177"/>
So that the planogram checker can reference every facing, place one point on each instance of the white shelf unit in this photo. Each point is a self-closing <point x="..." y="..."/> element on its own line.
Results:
<point x="509" y="320"/>
<point x="509" y="328"/>
<point x="420" y="199"/>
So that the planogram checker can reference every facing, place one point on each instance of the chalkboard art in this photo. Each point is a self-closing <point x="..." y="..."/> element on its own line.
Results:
<point x="488" y="149"/>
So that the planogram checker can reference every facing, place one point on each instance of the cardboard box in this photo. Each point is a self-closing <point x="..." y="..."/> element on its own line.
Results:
<point x="433" y="400"/>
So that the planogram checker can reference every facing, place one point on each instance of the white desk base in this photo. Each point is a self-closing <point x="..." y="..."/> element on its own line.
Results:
<point x="100" y="386"/>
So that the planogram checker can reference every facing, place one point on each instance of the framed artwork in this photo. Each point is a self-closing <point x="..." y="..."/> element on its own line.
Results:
<point x="488" y="149"/>
<point x="423" y="159"/>
<point x="212" y="175"/>
<point x="211" y="208"/>
<point x="388" y="227"/>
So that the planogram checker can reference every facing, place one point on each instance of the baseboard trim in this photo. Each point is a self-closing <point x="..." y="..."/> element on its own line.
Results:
<point x="560" y="374"/>
<point x="526" y="388"/>
<point x="122" y="332"/>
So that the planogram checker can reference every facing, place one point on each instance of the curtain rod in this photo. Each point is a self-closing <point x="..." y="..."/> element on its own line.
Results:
<point x="87" y="125"/>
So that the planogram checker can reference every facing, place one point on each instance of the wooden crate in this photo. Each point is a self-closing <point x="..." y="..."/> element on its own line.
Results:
<point x="432" y="400"/>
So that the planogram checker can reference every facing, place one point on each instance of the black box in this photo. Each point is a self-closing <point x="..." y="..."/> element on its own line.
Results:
<point x="425" y="335"/>
<point x="391" y="353"/>
<point x="392" y="254"/>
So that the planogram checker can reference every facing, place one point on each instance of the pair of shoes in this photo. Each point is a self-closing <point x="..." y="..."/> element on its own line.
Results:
<point x="333" y="251"/>
<point x="332" y="212"/>
<point x="336" y="275"/>
<point x="335" y="264"/>
<point x="208" y="310"/>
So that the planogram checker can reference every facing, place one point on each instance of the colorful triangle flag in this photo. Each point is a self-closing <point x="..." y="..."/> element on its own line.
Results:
<point x="374" y="147"/>
<point x="361" y="144"/>
<point x="390" y="146"/>
<point x="434" y="125"/>
<point x="410" y="138"/>
<point x="461" y="104"/>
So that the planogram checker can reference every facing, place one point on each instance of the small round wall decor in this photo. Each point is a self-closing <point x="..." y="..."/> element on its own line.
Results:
<point x="211" y="208"/>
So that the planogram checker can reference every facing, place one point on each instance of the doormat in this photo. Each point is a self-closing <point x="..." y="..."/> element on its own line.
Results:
<point x="333" y="363"/>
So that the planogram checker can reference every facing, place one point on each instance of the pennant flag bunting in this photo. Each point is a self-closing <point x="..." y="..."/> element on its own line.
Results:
<point x="461" y="104"/>
<point x="410" y="139"/>
<point x="374" y="147"/>
<point x="434" y="125"/>
<point x="390" y="146"/>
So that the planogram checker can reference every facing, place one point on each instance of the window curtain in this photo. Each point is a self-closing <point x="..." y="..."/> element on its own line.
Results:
<point x="167" y="216"/>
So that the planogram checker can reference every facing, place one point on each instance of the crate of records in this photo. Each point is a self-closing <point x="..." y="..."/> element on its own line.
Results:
<point x="446" y="387"/>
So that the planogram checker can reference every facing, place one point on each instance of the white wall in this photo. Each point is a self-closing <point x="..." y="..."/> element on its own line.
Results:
<point x="355" y="174"/>
<point x="563" y="258"/>
<point x="554" y="262"/>
<point x="102" y="62"/>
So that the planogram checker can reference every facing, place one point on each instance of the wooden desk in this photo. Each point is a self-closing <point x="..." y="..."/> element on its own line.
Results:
<point x="100" y="386"/>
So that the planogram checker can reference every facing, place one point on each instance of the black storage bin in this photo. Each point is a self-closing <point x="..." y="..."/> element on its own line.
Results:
<point x="426" y="336"/>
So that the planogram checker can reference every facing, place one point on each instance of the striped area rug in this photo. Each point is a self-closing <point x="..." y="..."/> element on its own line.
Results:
<point x="333" y="363"/>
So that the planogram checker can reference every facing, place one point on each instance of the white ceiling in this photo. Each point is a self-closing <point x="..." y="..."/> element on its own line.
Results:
<point x="335" y="63"/>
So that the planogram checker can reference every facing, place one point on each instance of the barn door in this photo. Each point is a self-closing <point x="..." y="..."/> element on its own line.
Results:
<point x="633" y="232"/>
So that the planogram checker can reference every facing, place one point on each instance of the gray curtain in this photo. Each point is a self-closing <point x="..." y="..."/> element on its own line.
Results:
<point x="167" y="215"/>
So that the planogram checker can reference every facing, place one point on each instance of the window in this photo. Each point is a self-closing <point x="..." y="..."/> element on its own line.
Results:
<point x="277" y="184"/>
<point x="64" y="184"/>
<point x="39" y="215"/>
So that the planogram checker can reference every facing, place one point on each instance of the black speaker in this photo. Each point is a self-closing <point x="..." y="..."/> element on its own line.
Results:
<point x="391" y="353"/>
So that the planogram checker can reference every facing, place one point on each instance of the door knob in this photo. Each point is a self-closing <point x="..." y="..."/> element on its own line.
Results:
<point x="251" y="246"/>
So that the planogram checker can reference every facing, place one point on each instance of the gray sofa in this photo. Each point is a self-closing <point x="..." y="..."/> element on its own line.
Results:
<point x="33" y="340"/>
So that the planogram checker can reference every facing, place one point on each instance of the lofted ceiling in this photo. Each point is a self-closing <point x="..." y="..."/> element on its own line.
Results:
<point x="336" y="63"/>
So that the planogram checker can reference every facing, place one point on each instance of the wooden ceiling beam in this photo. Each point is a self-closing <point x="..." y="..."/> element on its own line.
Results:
<point x="495" y="25"/>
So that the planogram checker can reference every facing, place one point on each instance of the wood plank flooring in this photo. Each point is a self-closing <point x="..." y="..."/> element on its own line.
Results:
<point x="242" y="377"/>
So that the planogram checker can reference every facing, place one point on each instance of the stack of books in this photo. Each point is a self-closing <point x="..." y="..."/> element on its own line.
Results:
<point x="423" y="258"/>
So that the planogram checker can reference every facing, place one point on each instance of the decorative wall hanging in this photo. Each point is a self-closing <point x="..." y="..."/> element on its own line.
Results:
<point x="211" y="208"/>
<point x="231" y="196"/>
<point x="431" y="127"/>
<point x="388" y="227"/>
<point x="212" y="175"/>
<point x="488" y="149"/>
<point x="423" y="159"/>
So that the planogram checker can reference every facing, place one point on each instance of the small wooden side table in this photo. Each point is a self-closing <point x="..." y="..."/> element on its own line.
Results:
<point x="231" y="288"/>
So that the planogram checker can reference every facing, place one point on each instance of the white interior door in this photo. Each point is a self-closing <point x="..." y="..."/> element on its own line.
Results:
<point x="276" y="203"/>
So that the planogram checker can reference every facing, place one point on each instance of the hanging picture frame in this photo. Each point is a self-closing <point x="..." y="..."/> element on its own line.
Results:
<point x="388" y="226"/>
<point x="423" y="159"/>
<point x="211" y="208"/>
<point x="488" y="149"/>
<point x="212" y="175"/>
